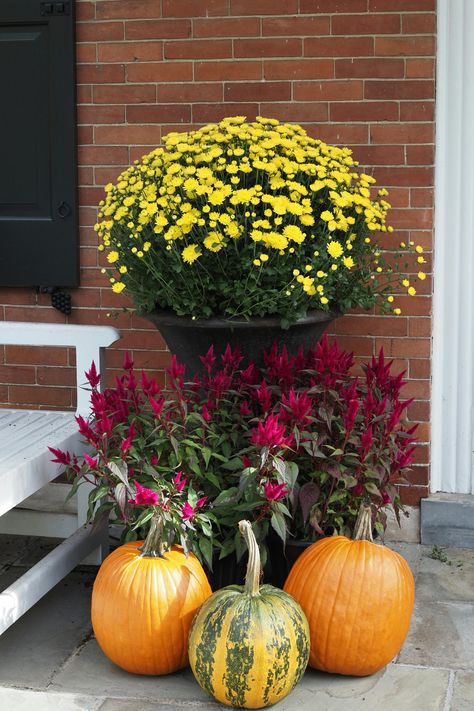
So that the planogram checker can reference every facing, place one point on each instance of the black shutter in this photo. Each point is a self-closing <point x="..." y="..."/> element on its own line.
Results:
<point x="38" y="211"/>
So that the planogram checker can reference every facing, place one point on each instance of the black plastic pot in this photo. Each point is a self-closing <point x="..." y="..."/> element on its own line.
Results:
<point x="282" y="560"/>
<point x="188" y="339"/>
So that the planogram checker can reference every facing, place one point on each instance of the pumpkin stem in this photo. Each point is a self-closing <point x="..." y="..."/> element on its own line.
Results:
<point x="363" y="525"/>
<point x="252" y="577"/>
<point x="153" y="545"/>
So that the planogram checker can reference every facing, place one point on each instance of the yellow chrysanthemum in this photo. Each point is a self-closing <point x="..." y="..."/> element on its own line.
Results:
<point x="348" y="262"/>
<point x="191" y="253"/>
<point x="422" y="276"/>
<point x="293" y="233"/>
<point x="112" y="257"/>
<point x="118" y="287"/>
<point x="334" y="249"/>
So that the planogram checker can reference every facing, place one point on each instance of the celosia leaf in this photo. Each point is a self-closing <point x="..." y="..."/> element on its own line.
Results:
<point x="120" y="470"/>
<point x="308" y="496"/>
<point x="279" y="525"/>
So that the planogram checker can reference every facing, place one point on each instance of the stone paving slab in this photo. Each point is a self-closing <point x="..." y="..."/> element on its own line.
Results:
<point x="463" y="692"/>
<point x="23" y="700"/>
<point x="38" y="644"/>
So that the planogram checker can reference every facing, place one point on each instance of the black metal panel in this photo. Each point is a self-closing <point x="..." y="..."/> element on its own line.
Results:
<point x="38" y="183"/>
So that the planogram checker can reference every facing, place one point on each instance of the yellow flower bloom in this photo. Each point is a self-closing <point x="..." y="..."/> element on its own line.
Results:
<point x="263" y="257"/>
<point x="257" y="262"/>
<point x="293" y="233"/>
<point x="397" y="311"/>
<point x="390" y="299"/>
<point x="412" y="291"/>
<point x="422" y="276"/>
<point x="191" y="253"/>
<point x="214" y="241"/>
<point x="334" y="249"/>
<point x="118" y="286"/>
<point x="112" y="257"/>
<point x="405" y="282"/>
<point x="324" y="300"/>
<point x="419" y="249"/>
<point x="348" y="262"/>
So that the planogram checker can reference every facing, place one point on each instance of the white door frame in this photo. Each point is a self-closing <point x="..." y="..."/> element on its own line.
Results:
<point x="452" y="435"/>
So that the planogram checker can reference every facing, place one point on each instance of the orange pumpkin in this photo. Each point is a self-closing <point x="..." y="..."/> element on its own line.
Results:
<point x="143" y="603"/>
<point x="358" y="598"/>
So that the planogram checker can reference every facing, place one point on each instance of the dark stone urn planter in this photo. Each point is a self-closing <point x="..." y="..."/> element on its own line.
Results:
<point x="188" y="339"/>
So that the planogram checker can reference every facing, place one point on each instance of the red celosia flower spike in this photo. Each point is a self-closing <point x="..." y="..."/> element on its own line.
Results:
<point x="93" y="377"/>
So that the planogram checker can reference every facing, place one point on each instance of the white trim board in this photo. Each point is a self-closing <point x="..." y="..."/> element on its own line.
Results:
<point x="452" y="438"/>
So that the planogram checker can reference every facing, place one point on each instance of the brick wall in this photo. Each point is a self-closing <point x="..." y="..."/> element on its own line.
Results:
<point x="353" y="72"/>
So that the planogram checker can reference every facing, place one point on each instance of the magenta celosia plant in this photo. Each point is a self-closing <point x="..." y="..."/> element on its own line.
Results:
<point x="296" y="447"/>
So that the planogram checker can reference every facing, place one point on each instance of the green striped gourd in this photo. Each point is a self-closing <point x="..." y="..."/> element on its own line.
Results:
<point x="249" y="645"/>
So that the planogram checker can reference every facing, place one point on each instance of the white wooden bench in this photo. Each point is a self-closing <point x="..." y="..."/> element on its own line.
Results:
<point x="28" y="503"/>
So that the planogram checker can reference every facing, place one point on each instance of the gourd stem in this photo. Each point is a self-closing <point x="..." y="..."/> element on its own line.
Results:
<point x="252" y="577"/>
<point x="363" y="525"/>
<point x="153" y="545"/>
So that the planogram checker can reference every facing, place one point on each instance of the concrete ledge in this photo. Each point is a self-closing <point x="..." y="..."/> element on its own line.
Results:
<point x="409" y="531"/>
<point x="448" y="520"/>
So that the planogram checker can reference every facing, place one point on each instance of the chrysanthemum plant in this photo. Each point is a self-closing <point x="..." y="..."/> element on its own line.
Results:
<point x="242" y="219"/>
<point x="295" y="447"/>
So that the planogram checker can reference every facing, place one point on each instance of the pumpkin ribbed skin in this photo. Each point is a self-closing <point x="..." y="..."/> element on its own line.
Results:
<point x="249" y="651"/>
<point x="142" y="608"/>
<point x="358" y="598"/>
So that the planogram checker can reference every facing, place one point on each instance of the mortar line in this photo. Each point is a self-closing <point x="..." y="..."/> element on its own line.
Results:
<point x="449" y="691"/>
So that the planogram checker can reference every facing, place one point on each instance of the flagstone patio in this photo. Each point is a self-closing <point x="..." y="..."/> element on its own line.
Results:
<point x="49" y="658"/>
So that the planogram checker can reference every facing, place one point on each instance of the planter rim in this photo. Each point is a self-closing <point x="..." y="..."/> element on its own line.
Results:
<point x="169" y="318"/>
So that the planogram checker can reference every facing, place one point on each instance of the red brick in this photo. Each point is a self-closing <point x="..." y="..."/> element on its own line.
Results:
<point x="364" y="111"/>
<point x="311" y="112"/>
<point x="120" y="135"/>
<point x="17" y="374"/>
<point x="257" y="91"/>
<point x="84" y="94"/>
<point x="191" y="8"/>
<point x="100" y="114"/>
<point x="342" y="134"/>
<point x="420" y="369"/>
<point x="228" y="27"/>
<point x="84" y="135"/>
<point x="419" y="389"/>
<point x="296" y="26"/>
<point x="309" y="6"/>
<point x="380" y="155"/>
<point x="85" y="177"/>
<point x="98" y="155"/>
<point x="228" y="71"/>
<point x="44" y="396"/>
<point x="32" y="355"/>
<point x="100" y="73"/>
<point x="372" y="325"/>
<point x="202" y="113"/>
<point x="417" y="89"/>
<point x="85" y="11"/>
<point x="398" y="197"/>
<point x="405" y="347"/>
<point x="157" y="29"/>
<point x="190" y="92"/>
<point x="411" y="495"/>
<point x="56" y="376"/>
<point x="420" y="155"/>
<point x="421" y="197"/>
<point x="156" y="113"/>
<point x="160" y="72"/>
<point x="298" y="69"/>
<point x="90" y="196"/>
<point x="137" y="152"/>
<point x="339" y="47"/>
<point x="417" y="476"/>
<point x="404" y="176"/>
<point x="130" y="52"/>
<point x="99" y="31"/>
<point x="368" y="68"/>
<point x="20" y="313"/>
<point x="419" y="327"/>
<point x="127" y="9"/>
<point x="86" y="52"/>
<point x="88" y="257"/>
<point x="370" y="24"/>
<point x="419" y="411"/>
<point x="328" y="90"/>
<point x="419" y="24"/>
<point x="415" y="46"/>
<point x="263" y="7"/>
<point x="88" y="215"/>
<point x="420" y="68"/>
<point x="145" y="340"/>
<point x="136" y="94"/>
<point x="359" y="345"/>
<point x="401" y="133"/>
<point x="401" y="5"/>
<point x="417" y="111"/>
<point x="268" y="47"/>
<point x="198" y="49"/>
<point x="411" y="219"/>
